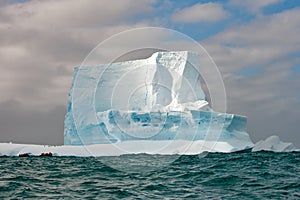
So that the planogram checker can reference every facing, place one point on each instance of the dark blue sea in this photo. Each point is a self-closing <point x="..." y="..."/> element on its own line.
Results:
<point x="259" y="175"/>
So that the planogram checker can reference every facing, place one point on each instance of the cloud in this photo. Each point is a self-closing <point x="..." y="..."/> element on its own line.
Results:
<point x="208" y="12"/>
<point x="258" y="43"/>
<point x="253" y="6"/>
<point x="70" y="14"/>
<point x="22" y="125"/>
<point x="268" y="100"/>
<point x="41" y="42"/>
<point x="7" y="2"/>
<point x="267" y="97"/>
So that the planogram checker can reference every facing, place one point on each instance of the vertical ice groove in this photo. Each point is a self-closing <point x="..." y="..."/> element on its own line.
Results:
<point x="146" y="87"/>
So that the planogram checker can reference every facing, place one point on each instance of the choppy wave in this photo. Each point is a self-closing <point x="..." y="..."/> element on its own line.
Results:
<point x="214" y="175"/>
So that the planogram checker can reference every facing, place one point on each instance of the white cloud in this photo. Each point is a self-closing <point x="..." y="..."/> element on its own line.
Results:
<point x="258" y="43"/>
<point x="208" y="12"/>
<point x="253" y="6"/>
<point x="267" y="43"/>
<point x="69" y="14"/>
<point x="41" y="42"/>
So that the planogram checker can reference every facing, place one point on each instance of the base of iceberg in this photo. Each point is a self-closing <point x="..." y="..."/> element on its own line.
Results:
<point x="163" y="147"/>
<point x="180" y="147"/>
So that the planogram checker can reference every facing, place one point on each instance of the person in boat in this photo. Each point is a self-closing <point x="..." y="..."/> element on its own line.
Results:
<point x="46" y="154"/>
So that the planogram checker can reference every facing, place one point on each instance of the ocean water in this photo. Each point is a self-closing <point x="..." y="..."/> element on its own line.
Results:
<point x="258" y="175"/>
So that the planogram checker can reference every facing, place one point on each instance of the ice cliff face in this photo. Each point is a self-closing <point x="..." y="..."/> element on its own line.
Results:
<point x="163" y="81"/>
<point x="159" y="98"/>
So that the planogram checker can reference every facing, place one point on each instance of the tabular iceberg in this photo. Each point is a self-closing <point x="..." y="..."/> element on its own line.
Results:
<point x="158" y="99"/>
<point x="153" y="106"/>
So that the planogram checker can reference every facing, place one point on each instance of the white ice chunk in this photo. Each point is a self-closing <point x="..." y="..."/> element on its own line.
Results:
<point x="273" y="143"/>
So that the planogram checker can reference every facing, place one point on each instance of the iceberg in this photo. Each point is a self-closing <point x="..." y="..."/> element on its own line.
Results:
<point x="151" y="101"/>
<point x="154" y="106"/>
<point x="273" y="143"/>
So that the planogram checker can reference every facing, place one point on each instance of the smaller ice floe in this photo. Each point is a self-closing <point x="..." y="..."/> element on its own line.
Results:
<point x="273" y="143"/>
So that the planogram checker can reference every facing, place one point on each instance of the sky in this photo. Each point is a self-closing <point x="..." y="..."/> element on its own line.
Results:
<point x="254" y="43"/>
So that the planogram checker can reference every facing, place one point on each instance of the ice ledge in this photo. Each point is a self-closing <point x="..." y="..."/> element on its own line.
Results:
<point x="180" y="147"/>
